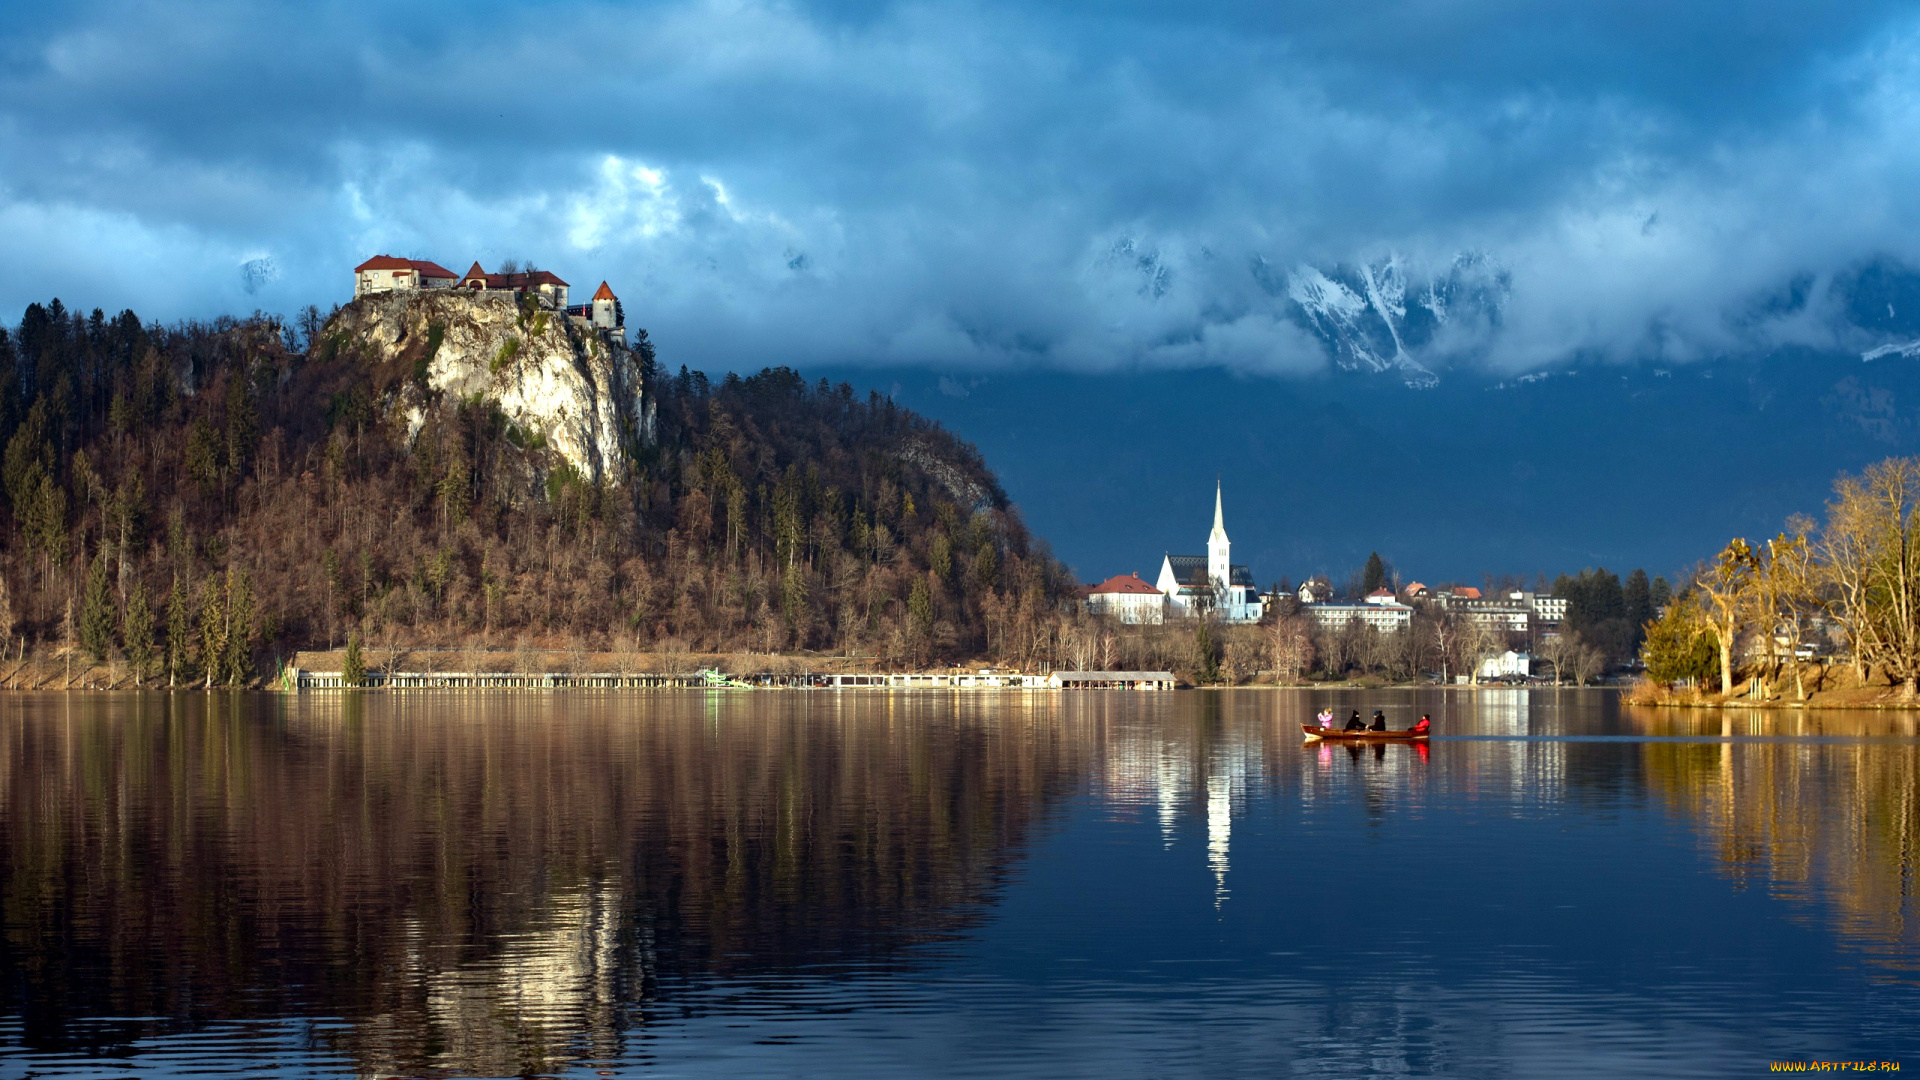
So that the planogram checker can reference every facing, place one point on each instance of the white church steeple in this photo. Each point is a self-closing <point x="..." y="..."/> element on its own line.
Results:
<point x="1218" y="563"/>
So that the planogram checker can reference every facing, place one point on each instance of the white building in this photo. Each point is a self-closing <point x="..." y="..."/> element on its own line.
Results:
<point x="1128" y="598"/>
<point x="1195" y="583"/>
<point x="387" y="273"/>
<point x="1386" y="617"/>
<point x="1516" y="612"/>
<point x="605" y="309"/>
<point x="1316" y="590"/>
<point x="1507" y="664"/>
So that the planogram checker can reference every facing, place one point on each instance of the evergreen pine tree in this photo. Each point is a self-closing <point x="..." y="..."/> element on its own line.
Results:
<point x="238" y="663"/>
<point x="97" y="617"/>
<point x="1639" y="602"/>
<point x="354" y="671"/>
<point x="179" y="632"/>
<point x="213" y="629"/>
<point x="1680" y="646"/>
<point x="985" y="568"/>
<point x="137" y="631"/>
<point x="1375" y="575"/>
<point x="1206" y="660"/>
<point x="1660" y="594"/>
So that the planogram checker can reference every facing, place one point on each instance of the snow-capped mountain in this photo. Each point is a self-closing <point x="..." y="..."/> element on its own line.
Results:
<point x="1372" y="318"/>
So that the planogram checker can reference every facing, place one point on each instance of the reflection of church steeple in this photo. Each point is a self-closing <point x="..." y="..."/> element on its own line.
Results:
<point x="1219" y="830"/>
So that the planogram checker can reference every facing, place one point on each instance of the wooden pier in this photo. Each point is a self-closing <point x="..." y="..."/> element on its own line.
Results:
<point x="300" y="679"/>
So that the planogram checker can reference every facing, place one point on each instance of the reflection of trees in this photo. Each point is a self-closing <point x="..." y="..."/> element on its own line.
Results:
<point x="1810" y="820"/>
<point x="474" y="881"/>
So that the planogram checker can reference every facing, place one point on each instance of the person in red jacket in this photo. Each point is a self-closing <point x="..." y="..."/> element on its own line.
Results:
<point x="1423" y="726"/>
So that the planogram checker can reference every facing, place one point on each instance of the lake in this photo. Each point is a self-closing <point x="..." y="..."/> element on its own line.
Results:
<point x="970" y="883"/>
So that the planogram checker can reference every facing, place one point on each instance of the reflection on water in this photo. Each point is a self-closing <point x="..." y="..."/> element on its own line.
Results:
<point x="506" y="885"/>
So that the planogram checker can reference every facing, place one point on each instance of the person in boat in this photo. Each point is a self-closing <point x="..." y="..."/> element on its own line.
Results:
<point x="1425" y="725"/>
<point x="1379" y="721"/>
<point x="1354" y="723"/>
<point x="1325" y="718"/>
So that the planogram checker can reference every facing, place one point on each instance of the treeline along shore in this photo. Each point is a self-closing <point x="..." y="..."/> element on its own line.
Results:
<point x="197" y="504"/>
<point x="191" y="504"/>
<point x="1826" y="612"/>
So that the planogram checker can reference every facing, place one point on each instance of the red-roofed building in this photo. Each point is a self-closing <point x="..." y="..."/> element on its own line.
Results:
<point x="389" y="273"/>
<point x="1127" y="598"/>
<point x="604" y="311"/>
<point x="1381" y="596"/>
<point x="542" y="283"/>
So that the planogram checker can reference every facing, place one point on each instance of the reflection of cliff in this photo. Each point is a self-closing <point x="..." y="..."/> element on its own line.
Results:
<point x="476" y="882"/>
<point x="1832" y="821"/>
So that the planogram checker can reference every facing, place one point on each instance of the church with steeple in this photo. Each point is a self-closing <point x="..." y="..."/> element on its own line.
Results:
<point x="1196" y="583"/>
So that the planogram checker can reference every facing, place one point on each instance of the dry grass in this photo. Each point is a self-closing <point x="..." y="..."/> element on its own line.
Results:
<point x="1831" y="686"/>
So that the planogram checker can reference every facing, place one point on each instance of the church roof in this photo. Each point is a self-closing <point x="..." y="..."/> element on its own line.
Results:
<point x="1191" y="572"/>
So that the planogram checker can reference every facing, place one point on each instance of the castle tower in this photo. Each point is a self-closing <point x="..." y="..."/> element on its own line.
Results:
<point x="1218" y="563"/>
<point x="606" y="309"/>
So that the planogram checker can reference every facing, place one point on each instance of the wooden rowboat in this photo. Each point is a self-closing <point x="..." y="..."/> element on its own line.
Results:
<point x="1362" y="736"/>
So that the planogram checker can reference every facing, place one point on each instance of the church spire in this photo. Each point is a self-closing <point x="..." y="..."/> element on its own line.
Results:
<point x="1219" y="519"/>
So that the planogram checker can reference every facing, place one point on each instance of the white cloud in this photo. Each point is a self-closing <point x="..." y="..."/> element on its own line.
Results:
<point x="953" y="184"/>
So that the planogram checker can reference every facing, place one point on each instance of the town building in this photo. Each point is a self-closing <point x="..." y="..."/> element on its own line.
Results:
<point x="387" y="273"/>
<point x="1316" y="590"/>
<point x="1508" y="665"/>
<point x="1128" y="598"/>
<point x="1390" y="617"/>
<point x="1194" y="584"/>
<point x="1516" y="612"/>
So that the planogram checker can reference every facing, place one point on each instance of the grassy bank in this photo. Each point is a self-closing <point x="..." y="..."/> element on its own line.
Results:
<point x="1824" y="686"/>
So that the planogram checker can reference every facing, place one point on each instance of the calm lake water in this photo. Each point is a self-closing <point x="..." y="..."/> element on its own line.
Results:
<point x="949" y="884"/>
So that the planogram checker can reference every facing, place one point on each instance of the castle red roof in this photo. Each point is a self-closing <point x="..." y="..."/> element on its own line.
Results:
<point x="530" y="280"/>
<point x="1126" y="584"/>
<point x="604" y="293"/>
<point x="425" y="267"/>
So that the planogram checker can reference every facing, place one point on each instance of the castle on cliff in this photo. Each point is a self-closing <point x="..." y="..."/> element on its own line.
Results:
<point x="389" y="273"/>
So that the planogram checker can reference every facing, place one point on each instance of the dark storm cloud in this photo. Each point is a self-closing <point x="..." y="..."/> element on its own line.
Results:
<point x="965" y="183"/>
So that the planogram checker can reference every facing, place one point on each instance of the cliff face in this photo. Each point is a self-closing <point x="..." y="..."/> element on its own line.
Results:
<point x="558" y="380"/>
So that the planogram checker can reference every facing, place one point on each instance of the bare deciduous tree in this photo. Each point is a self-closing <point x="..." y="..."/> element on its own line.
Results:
<point x="1291" y="640"/>
<point x="1730" y="587"/>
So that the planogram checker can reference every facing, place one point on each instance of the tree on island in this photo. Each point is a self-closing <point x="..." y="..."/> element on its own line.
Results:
<point x="1680" y="646"/>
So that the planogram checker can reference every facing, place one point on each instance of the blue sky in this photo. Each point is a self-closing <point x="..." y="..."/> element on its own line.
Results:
<point x="973" y="185"/>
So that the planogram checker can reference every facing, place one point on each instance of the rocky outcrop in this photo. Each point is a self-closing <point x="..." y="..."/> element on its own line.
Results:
<point x="560" y="381"/>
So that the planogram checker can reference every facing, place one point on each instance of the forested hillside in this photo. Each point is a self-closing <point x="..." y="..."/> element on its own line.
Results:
<point x="200" y="499"/>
